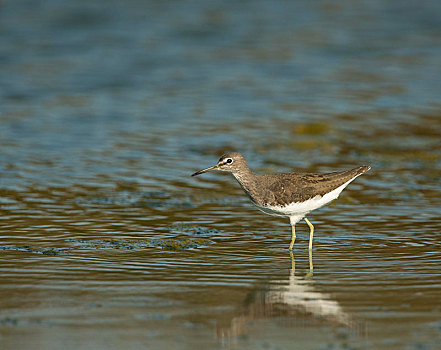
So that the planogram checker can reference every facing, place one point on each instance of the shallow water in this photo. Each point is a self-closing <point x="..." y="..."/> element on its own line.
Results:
<point x="106" y="241"/>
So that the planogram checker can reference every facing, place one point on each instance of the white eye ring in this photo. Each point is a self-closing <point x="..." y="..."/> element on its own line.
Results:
<point x="229" y="161"/>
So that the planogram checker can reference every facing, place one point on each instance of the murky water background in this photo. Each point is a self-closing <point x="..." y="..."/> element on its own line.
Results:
<point x="106" y="242"/>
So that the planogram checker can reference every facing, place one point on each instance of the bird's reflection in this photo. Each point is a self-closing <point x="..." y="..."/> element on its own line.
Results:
<point x="294" y="300"/>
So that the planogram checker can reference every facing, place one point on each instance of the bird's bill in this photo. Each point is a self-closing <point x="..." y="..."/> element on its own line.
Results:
<point x="214" y="167"/>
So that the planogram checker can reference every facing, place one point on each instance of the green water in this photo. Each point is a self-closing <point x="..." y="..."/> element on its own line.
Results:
<point x="107" y="242"/>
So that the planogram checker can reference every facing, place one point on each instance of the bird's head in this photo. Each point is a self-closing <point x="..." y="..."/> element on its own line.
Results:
<point x="232" y="162"/>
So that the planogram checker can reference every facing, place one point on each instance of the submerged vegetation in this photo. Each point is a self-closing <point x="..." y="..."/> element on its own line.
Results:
<point x="168" y="243"/>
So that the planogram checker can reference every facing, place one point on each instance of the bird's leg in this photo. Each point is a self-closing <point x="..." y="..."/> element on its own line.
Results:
<point x="293" y="237"/>
<point x="311" y="233"/>
<point x="293" y="262"/>
<point x="311" y="266"/>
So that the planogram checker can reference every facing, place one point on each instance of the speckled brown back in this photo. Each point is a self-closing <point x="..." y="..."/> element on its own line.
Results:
<point x="285" y="188"/>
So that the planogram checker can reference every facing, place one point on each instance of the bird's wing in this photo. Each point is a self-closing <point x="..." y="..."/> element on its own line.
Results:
<point x="297" y="187"/>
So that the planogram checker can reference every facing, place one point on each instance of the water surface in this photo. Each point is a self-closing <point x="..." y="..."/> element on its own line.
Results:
<point x="106" y="241"/>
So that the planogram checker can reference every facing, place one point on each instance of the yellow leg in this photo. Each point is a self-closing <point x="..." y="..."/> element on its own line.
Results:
<point x="293" y="262"/>
<point x="311" y="266"/>
<point x="293" y="238"/>
<point x="311" y="233"/>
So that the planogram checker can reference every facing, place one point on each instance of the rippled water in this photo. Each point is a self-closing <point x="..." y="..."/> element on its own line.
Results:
<point x="106" y="241"/>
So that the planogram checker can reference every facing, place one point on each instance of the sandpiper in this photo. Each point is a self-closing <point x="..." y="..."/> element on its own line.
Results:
<point x="291" y="195"/>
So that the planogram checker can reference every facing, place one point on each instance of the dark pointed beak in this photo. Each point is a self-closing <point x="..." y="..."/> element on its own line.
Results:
<point x="214" y="167"/>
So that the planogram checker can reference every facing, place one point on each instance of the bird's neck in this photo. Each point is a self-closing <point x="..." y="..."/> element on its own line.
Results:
<point x="246" y="179"/>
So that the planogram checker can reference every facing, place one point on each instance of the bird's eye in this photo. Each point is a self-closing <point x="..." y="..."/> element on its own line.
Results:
<point x="229" y="161"/>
